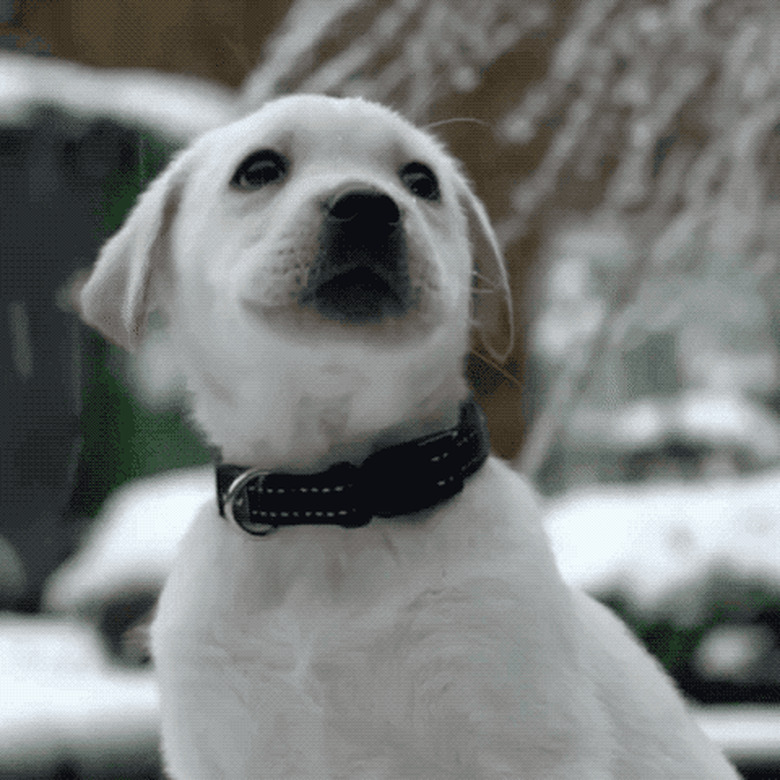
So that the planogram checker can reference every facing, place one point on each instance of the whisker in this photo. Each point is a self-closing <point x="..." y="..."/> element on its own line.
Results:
<point x="454" y="119"/>
<point x="476" y="276"/>
<point x="489" y="286"/>
<point x="483" y="291"/>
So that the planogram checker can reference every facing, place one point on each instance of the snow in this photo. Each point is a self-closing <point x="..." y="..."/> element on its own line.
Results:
<point x="62" y="701"/>
<point x="133" y="542"/>
<point x="746" y="732"/>
<point x="719" y="419"/>
<point x="651" y="539"/>
<point x="178" y="107"/>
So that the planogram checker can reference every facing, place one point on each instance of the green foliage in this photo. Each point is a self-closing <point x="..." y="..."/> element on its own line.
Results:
<point x="122" y="439"/>
<point x="123" y="185"/>
<point x="674" y="629"/>
<point x="670" y="641"/>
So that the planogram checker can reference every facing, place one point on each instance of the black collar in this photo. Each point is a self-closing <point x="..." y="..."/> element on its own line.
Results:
<point x="394" y="481"/>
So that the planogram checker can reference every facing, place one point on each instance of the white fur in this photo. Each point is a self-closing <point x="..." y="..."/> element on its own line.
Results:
<point x="444" y="644"/>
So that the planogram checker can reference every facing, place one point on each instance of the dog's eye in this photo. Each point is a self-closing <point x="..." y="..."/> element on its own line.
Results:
<point x="420" y="180"/>
<point x="261" y="168"/>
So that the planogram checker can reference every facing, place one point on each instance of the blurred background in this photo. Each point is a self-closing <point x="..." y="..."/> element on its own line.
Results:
<point x="628" y="152"/>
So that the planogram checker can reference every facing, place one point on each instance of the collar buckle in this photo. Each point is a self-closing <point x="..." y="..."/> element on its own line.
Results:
<point x="233" y="499"/>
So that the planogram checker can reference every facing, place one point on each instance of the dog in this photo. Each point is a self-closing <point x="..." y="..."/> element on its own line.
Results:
<point x="371" y="595"/>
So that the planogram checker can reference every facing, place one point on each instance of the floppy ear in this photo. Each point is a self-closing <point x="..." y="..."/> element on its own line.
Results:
<point x="116" y="299"/>
<point x="492" y="298"/>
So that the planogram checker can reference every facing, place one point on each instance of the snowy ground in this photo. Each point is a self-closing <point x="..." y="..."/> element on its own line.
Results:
<point x="64" y="707"/>
<point x="748" y="734"/>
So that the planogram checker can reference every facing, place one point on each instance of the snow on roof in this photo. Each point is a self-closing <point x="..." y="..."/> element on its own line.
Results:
<point x="652" y="539"/>
<point x="178" y="107"/>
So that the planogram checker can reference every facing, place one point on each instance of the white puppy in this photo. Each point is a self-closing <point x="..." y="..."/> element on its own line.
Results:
<point x="314" y="262"/>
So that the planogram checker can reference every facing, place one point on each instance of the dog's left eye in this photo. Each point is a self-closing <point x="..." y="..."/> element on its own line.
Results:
<point x="261" y="168"/>
<point x="420" y="180"/>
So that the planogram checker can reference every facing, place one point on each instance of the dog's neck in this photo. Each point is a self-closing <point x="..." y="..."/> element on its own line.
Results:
<point x="325" y="432"/>
<point x="306" y="421"/>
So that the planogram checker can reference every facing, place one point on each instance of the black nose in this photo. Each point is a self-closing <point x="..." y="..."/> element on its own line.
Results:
<point x="360" y="273"/>
<point x="367" y="209"/>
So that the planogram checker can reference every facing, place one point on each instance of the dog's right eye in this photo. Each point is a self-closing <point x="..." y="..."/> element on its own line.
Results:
<point x="261" y="168"/>
<point x="420" y="180"/>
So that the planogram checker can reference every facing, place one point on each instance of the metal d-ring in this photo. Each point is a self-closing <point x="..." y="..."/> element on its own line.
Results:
<point x="231" y="496"/>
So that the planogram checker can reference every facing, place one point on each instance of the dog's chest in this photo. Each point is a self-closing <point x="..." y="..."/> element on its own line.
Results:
<point x="336" y="663"/>
<point x="352" y="650"/>
<point x="314" y="659"/>
<point x="325" y="625"/>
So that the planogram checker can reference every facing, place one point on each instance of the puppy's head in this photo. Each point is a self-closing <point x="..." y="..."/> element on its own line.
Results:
<point x="317" y="224"/>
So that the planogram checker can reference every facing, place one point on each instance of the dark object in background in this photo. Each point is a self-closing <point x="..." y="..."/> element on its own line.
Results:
<point x="77" y="145"/>
<point x="54" y="213"/>
<point x="720" y="639"/>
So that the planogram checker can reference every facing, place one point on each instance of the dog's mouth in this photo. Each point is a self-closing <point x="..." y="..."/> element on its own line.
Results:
<point x="360" y="274"/>
<point x="359" y="295"/>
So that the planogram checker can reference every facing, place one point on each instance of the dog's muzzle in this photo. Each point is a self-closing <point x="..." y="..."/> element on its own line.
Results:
<point x="360" y="273"/>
